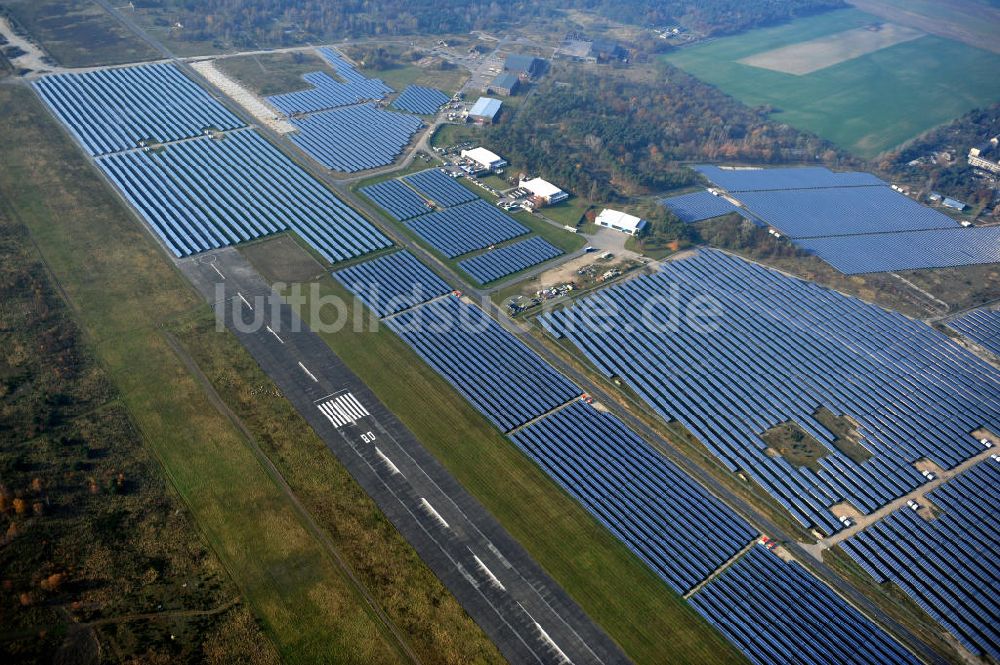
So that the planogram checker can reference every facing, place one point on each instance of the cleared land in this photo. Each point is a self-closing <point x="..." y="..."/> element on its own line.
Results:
<point x="869" y="104"/>
<point x="124" y="292"/>
<point x="273" y="73"/>
<point x="78" y="33"/>
<point x="824" y="52"/>
<point x="615" y="589"/>
<point x="971" y="21"/>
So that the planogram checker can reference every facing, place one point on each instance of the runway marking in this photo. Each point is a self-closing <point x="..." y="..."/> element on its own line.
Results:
<point x="388" y="462"/>
<point x="217" y="270"/>
<point x="343" y="410"/>
<point x="245" y="301"/>
<point x="489" y="573"/>
<point x="433" y="513"/>
<point x="311" y="375"/>
<point x="552" y="643"/>
<point x="275" y="334"/>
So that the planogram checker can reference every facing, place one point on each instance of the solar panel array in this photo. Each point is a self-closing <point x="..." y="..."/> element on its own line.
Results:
<point x="853" y="221"/>
<point x="354" y="138"/>
<point x="466" y="228"/>
<point x="510" y="259"/>
<point x="397" y="199"/>
<point x="809" y="177"/>
<point x="667" y="520"/>
<point x="207" y="193"/>
<point x="912" y="250"/>
<point x="327" y="92"/>
<point x="110" y="110"/>
<point x="982" y="327"/>
<point x="779" y="350"/>
<point x="417" y="99"/>
<point x="698" y="206"/>
<point x="946" y="565"/>
<point x="776" y="612"/>
<point x="808" y="213"/>
<point x="440" y="188"/>
<point x="392" y="283"/>
<point x="492" y="369"/>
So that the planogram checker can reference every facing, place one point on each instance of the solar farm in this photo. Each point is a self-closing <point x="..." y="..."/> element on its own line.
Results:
<point x="498" y="263"/>
<point x="397" y="199"/>
<point x="200" y="191"/>
<point x="776" y="612"/>
<point x="779" y="351"/>
<point x="947" y="565"/>
<point x="338" y="125"/>
<point x="853" y="221"/>
<point x="982" y="327"/>
<point x="439" y="188"/>
<point x="392" y="283"/>
<point x="420" y="100"/>
<point x="466" y="228"/>
<point x="354" y="138"/>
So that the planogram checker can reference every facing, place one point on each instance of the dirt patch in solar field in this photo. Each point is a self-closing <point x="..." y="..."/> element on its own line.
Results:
<point x="281" y="259"/>
<point x="816" y="54"/>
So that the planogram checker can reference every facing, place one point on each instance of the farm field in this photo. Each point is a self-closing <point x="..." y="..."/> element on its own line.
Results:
<point x="869" y="104"/>
<point x="970" y="21"/>
<point x="124" y="292"/>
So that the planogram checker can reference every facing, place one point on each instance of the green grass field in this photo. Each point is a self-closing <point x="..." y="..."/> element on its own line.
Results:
<point x="650" y="622"/>
<point x="867" y="105"/>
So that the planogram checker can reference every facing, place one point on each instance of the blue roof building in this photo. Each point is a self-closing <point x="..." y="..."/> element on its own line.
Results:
<point x="485" y="110"/>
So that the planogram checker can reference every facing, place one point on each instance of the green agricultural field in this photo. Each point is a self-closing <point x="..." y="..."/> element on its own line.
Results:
<point x="867" y="104"/>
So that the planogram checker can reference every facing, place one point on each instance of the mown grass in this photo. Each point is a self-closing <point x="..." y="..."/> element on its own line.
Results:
<point x="868" y="105"/>
<point x="123" y="290"/>
<point x="649" y="621"/>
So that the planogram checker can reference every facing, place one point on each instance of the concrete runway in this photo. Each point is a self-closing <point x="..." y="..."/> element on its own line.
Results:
<point x="526" y="614"/>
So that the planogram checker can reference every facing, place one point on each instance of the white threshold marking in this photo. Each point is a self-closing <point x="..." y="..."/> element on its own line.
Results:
<point x="343" y="410"/>
<point x="433" y="513"/>
<point x="306" y="370"/>
<point x="388" y="462"/>
<point x="217" y="270"/>
<point x="245" y="301"/>
<point x="275" y="334"/>
<point x="489" y="573"/>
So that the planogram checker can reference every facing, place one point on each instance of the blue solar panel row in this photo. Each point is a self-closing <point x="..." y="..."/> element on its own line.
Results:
<point x="776" y="612"/>
<point x="808" y="213"/>
<point x="466" y="228"/>
<point x="493" y="370"/>
<point x="667" y="520"/>
<point x="392" y="283"/>
<point x="982" y="327"/>
<point x="698" y="206"/>
<point x="327" y="92"/>
<point x="809" y="177"/>
<point x="779" y="350"/>
<point x="110" y="110"/>
<point x="397" y="199"/>
<point x="417" y="99"/>
<point x="912" y="250"/>
<point x="440" y="188"/>
<point x="947" y="565"/>
<point x="508" y="260"/>
<point x="207" y="193"/>
<point x="354" y="138"/>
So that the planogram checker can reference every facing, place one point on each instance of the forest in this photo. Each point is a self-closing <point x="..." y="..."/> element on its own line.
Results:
<point x="244" y="23"/>
<point x="955" y="178"/>
<point x="607" y="137"/>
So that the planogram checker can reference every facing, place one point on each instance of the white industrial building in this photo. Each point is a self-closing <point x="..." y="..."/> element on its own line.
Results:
<point x="545" y="191"/>
<point x="620" y="221"/>
<point x="486" y="160"/>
